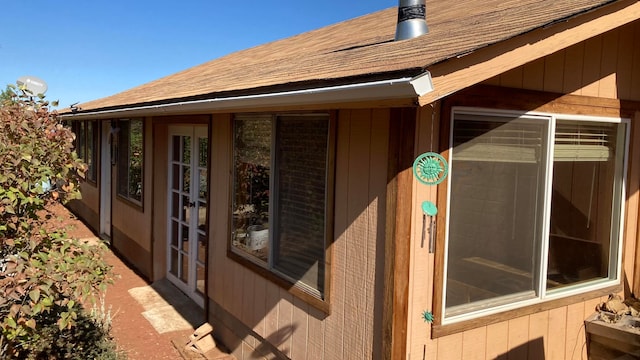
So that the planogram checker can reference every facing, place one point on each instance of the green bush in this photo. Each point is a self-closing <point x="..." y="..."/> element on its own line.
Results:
<point x="44" y="276"/>
<point x="88" y="339"/>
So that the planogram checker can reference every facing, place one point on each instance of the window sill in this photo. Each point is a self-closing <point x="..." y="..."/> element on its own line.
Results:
<point x="321" y="304"/>
<point x="449" y="329"/>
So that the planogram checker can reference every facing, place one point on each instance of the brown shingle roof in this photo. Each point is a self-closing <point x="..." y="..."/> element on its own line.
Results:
<point x="361" y="47"/>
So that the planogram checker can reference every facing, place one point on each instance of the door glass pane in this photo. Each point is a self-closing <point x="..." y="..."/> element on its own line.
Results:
<point x="184" y="273"/>
<point x="175" y="205"/>
<point x="176" y="148"/>
<point x="202" y="216"/>
<point x="186" y="150"/>
<point x="582" y="234"/>
<point x="202" y="247"/>
<point x="200" y="279"/>
<point x="498" y="171"/>
<point x="186" y="179"/>
<point x="185" y="209"/>
<point x="202" y="189"/>
<point x="202" y="152"/>
<point x="174" y="233"/>
<point x="175" y="175"/>
<point x="174" y="262"/>
<point x="184" y="246"/>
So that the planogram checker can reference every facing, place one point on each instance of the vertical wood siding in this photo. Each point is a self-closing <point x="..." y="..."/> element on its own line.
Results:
<point x="91" y="196"/>
<point x="606" y="66"/>
<point x="132" y="221"/>
<point x="88" y="207"/>
<point x="160" y="184"/>
<point x="271" y="314"/>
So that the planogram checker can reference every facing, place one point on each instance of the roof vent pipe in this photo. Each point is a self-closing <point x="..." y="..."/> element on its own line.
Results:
<point x="412" y="20"/>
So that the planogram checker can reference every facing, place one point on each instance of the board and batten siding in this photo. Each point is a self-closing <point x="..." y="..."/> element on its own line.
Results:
<point x="606" y="66"/>
<point x="131" y="235"/>
<point x="88" y="207"/>
<point x="253" y="315"/>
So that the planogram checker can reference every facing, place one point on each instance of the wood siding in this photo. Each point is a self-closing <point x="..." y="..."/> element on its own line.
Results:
<point x="88" y="207"/>
<point x="271" y="320"/>
<point x="132" y="223"/>
<point x="160" y="185"/>
<point x="605" y="67"/>
<point x="493" y="61"/>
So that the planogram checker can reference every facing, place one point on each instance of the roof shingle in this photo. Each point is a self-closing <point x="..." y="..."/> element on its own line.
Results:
<point x="360" y="47"/>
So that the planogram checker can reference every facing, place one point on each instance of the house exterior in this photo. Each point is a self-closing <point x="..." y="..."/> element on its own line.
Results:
<point x="276" y="185"/>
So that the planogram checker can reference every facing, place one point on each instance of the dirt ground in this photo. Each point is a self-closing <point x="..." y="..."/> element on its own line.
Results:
<point x="131" y="331"/>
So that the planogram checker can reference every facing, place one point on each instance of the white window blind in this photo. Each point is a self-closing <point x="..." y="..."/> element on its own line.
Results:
<point x="580" y="141"/>
<point x="505" y="139"/>
<point x="511" y="140"/>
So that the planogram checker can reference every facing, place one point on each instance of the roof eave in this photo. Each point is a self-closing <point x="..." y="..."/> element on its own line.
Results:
<point x="475" y="67"/>
<point x="395" y="88"/>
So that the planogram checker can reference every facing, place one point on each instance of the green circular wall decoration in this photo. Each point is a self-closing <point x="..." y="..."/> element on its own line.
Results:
<point x="430" y="168"/>
<point x="429" y="208"/>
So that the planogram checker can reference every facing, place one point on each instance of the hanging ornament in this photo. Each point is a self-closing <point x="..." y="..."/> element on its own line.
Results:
<point x="427" y="316"/>
<point x="430" y="168"/>
<point x="429" y="208"/>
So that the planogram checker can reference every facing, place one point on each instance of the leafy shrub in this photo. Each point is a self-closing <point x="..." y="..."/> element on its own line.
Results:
<point x="88" y="339"/>
<point x="44" y="276"/>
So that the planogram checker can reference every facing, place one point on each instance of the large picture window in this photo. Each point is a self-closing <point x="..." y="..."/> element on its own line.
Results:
<point x="86" y="146"/>
<point x="281" y="166"/>
<point x="534" y="209"/>
<point x="130" y="159"/>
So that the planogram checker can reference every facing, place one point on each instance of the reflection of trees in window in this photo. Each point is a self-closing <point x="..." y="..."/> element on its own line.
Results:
<point x="252" y="157"/>
<point x="130" y="159"/>
<point x="280" y="194"/>
<point x="203" y="153"/>
<point x="92" y="154"/>
<point x="86" y="141"/>
<point x="81" y="136"/>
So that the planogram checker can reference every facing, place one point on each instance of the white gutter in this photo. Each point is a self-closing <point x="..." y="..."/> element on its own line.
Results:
<point x="406" y="87"/>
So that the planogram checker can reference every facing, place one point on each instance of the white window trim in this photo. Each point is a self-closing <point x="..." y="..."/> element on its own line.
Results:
<point x="545" y="295"/>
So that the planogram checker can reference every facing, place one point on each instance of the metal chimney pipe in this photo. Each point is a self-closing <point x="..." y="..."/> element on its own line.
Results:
<point x="412" y="21"/>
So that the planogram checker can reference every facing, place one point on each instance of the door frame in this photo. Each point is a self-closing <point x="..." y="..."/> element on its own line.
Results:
<point x="190" y="288"/>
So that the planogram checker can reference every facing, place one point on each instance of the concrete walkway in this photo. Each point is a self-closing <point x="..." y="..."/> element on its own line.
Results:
<point x="132" y="330"/>
<point x="152" y="321"/>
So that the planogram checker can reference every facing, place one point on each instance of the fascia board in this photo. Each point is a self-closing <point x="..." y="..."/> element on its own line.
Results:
<point x="399" y="88"/>
<point x="459" y="73"/>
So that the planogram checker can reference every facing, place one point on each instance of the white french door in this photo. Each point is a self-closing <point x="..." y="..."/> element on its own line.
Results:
<point x="187" y="205"/>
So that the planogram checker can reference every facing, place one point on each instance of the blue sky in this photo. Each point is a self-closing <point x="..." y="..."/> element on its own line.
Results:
<point x="86" y="50"/>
